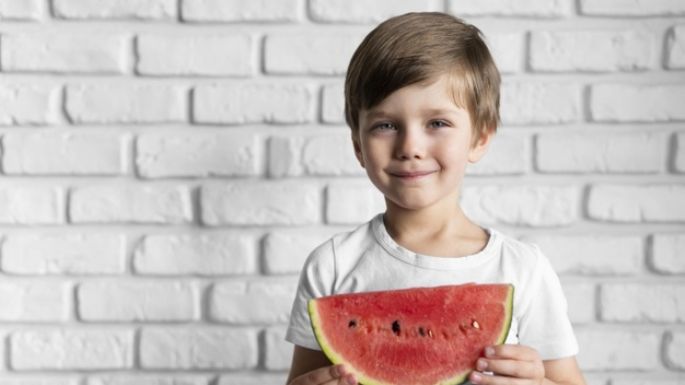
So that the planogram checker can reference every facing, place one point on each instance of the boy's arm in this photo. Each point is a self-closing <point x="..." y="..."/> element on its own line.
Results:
<point x="563" y="371"/>
<point x="521" y="365"/>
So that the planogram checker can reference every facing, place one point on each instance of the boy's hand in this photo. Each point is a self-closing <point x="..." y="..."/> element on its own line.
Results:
<point x="510" y="364"/>
<point x="328" y="375"/>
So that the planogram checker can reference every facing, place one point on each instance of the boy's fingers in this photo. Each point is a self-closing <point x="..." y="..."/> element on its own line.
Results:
<point x="486" y="379"/>
<point x="512" y="368"/>
<point x="347" y="379"/>
<point x="320" y="376"/>
<point x="514" y="352"/>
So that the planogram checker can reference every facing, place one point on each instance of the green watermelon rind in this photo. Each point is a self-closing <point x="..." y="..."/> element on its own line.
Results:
<point x="336" y="359"/>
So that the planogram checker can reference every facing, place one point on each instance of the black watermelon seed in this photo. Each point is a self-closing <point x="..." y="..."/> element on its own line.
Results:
<point x="422" y="332"/>
<point x="396" y="327"/>
<point x="352" y="324"/>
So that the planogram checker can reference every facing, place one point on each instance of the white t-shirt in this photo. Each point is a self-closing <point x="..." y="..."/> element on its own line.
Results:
<point x="368" y="259"/>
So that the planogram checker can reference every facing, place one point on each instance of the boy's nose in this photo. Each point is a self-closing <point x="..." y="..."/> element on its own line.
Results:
<point x="410" y="145"/>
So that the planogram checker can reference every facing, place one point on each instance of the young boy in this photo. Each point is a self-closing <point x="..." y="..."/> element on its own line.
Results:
<point x="422" y="100"/>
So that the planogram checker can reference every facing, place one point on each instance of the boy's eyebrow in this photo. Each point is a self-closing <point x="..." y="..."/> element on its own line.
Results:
<point x="439" y="111"/>
<point x="375" y="113"/>
<point x="370" y="114"/>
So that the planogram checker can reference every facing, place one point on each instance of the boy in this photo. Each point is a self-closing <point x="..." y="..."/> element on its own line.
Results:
<point x="422" y="100"/>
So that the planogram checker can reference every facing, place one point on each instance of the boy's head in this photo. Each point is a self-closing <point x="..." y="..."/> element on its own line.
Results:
<point x="416" y="47"/>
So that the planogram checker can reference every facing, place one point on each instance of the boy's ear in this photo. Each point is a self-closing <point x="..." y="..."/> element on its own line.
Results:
<point x="480" y="145"/>
<point x="357" y="149"/>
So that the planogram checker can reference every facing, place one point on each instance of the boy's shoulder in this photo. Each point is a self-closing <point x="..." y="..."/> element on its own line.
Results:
<point x="521" y="252"/>
<point x="517" y="246"/>
<point x="354" y="239"/>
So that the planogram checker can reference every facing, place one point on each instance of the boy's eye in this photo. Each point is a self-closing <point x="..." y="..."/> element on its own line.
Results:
<point x="383" y="126"/>
<point x="438" y="124"/>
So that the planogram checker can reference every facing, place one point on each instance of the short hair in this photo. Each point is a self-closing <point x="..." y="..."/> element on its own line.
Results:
<point x="416" y="47"/>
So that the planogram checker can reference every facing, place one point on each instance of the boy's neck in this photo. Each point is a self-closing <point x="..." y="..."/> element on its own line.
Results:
<point x="437" y="231"/>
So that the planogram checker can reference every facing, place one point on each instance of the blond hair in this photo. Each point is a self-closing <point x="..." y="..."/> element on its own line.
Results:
<point x="416" y="47"/>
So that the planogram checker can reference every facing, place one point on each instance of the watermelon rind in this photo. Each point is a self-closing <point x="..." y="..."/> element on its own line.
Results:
<point x="509" y="315"/>
<point x="336" y="359"/>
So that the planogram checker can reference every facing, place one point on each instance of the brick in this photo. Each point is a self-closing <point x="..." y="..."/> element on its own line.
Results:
<point x="319" y="54"/>
<point x="51" y="379"/>
<point x="21" y="9"/>
<point x="151" y="379"/>
<point x="675" y="350"/>
<point x="278" y="352"/>
<point x="581" y="302"/>
<point x="253" y="103"/>
<point x="618" y="350"/>
<point x="198" y="348"/>
<point x="211" y="55"/>
<point x="595" y="50"/>
<point x="49" y="152"/>
<point x="330" y="155"/>
<point x="63" y="349"/>
<point x="507" y="49"/>
<point x="285" y="156"/>
<point x="126" y="103"/>
<point x="352" y="202"/>
<point x="637" y="103"/>
<point x="321" y="155"/>
<point x="69" y="254"/>
<point x="64" y="53"/>
<point x="631" y="7"/>
<point x="361" y="11"/>
<point x="637" y="203"/>
<point x="133" y="204"/>
<point x="523" y="205"/>
<point x="197" y="154"/>
<point x="333" y="103"/>
<point x="646" y="379"/>
<point x="599" y="378"/>
<point x="675" y="47"/>
<point x="34" y="301"/>
<point x="679" y="158"/>
<point x="539" y="103"/>
<point x="509" y="154"/>
<point x="666" y="254"/>
<point x="115" y="9"/>
<point x="100" y="301"/>
<point x="635" y="302"/>
<point x="260" y="203"/>
<point x="4" y="355"/>
<point x="252" y="302"/>
<point x="28" y="104"/>
<point x="610" y="152"/>
<point x="260" y="378"/>
<point x="31" y="205"/>
<point x="240" y="10"/>
<point x="286" y="250"/>
<point x="206" y="255"/>
<point x="536" y="8"/>
<point x="593" y="255"/>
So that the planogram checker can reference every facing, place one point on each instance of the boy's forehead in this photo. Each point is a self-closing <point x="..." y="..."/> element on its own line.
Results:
<point x="436" y="95"/>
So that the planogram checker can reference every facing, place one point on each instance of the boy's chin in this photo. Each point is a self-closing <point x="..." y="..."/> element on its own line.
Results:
<point x="408" y="203"/>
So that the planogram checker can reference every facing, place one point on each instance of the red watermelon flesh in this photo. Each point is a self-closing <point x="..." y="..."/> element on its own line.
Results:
<point x="418" y="336"/>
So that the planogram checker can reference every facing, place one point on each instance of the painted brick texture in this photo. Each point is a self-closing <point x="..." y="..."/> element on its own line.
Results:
<point x="166" y="166"/>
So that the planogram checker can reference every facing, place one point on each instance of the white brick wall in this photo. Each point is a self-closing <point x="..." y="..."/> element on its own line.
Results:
<point x="198" y="348"/>
<point x="167" y="165"/>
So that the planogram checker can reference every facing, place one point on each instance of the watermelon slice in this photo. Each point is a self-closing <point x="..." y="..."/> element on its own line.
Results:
<point x="418" y="336"/>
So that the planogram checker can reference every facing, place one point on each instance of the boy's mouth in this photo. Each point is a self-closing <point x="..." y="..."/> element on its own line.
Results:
<point x="410" y="174"/>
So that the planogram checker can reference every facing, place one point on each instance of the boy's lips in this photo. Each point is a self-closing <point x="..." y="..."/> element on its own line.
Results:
<point x="410" y="174"/>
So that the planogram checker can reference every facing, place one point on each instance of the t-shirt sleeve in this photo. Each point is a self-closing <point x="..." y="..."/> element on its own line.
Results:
<point x="544" y="323"/>
<point x="316" y="280"/>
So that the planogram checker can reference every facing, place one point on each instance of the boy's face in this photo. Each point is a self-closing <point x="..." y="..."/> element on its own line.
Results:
<point x="416" y="143"/>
